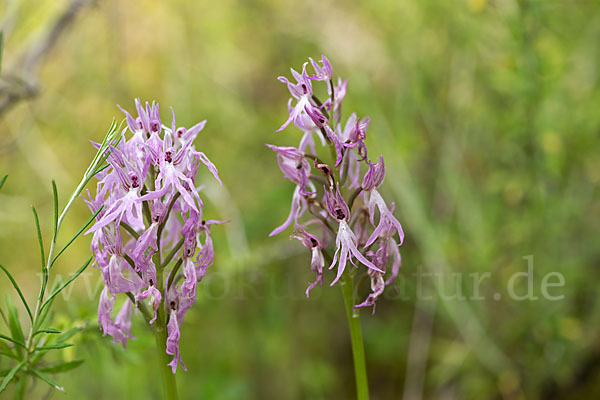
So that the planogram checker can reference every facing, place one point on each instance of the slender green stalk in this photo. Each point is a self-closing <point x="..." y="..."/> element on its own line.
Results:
<point x="168" y="377"/>
<point x="358" y="349"/>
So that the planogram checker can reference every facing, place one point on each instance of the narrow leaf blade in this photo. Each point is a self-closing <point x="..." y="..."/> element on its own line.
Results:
<point x="54" y="346"/>
<point x="11" y="374"/>
<point x="39" y="234"/>
<point x="64" y="285"/>
<point x="83" y="228"/>
<point x="48" y="380"/>
<point x="14" y="324"/>
<point x="62" y="366"/>
<point x="55" y="198"/>
<point x="3" y="179"/>
<point x="1" y="51"/>
<point x="14" y="283"/>
<point x="17" y="342"/>
<point x="47" y="330"/>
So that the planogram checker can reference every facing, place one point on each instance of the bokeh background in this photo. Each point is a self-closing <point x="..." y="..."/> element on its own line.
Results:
<point x="487" y="113"/>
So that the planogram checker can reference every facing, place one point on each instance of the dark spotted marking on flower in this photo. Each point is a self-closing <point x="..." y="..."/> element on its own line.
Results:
<point x="154" y="126"/>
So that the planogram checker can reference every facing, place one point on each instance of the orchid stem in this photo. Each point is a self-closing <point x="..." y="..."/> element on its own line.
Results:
<point x="358" y="348"/>
<point x="169" y="383"/>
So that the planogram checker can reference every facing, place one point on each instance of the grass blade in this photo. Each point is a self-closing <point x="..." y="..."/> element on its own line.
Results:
<point x="11" y="374"/>
<point x="2" y="180"/>
<point x="14" y="283"/>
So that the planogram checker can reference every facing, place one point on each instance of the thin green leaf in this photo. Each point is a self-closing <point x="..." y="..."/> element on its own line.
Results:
<point x="69" y="334"/>
<point x="11" y="374"/>
<point x="14" y="324"/>
<point x="64" y="285"/>
<point x="14" y="283"/>
<point x="55" y="197"/>
<point x="48" y="380"/>
<point x="12" y="340"/>
<point x="39" y="234"/>
<point x="9" y="355"/>
<point x="62" y="366"/>
<point x="3" y="179"/>
<point x="21" y="386"/>
<point x="4" y="346"/>
<point x="54" y="346"/>
<point x="83" y="228"/>
<point x="1" y="51"/>
<point x="47" y="330"/>
<point x="45" y="311"/>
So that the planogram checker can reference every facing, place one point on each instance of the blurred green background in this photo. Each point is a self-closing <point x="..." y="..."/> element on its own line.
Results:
<point x="487" y="113"/>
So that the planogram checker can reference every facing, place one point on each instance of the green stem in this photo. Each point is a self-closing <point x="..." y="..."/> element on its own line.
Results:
<point x="358" y="349"/>
<point x="160" y="334"/>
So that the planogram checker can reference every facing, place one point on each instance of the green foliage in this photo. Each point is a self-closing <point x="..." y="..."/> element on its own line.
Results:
<point x="29" y="351"/>
<point x="1" y="51"/>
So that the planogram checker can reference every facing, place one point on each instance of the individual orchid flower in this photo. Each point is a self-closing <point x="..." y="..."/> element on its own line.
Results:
<point x="301" y="91"/>
<point x="294" y="166"/>
<point x="388" y="224"/>
<point x="374" y="176"/>
<point x="173" y="342"/>
<point x="298" y="207"/>
<point x="346" y="249"/>
<point x="324" y="71"/>
<point x="312" y="243"/>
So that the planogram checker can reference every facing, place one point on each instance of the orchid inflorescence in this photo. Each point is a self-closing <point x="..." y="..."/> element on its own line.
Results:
<point x="150" y="240"/>
<point x="340" y="204"/>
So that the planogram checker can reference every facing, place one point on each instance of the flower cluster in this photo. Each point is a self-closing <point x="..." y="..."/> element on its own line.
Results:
<point x="150" y="240"/>
<point x="341" y="203"/>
